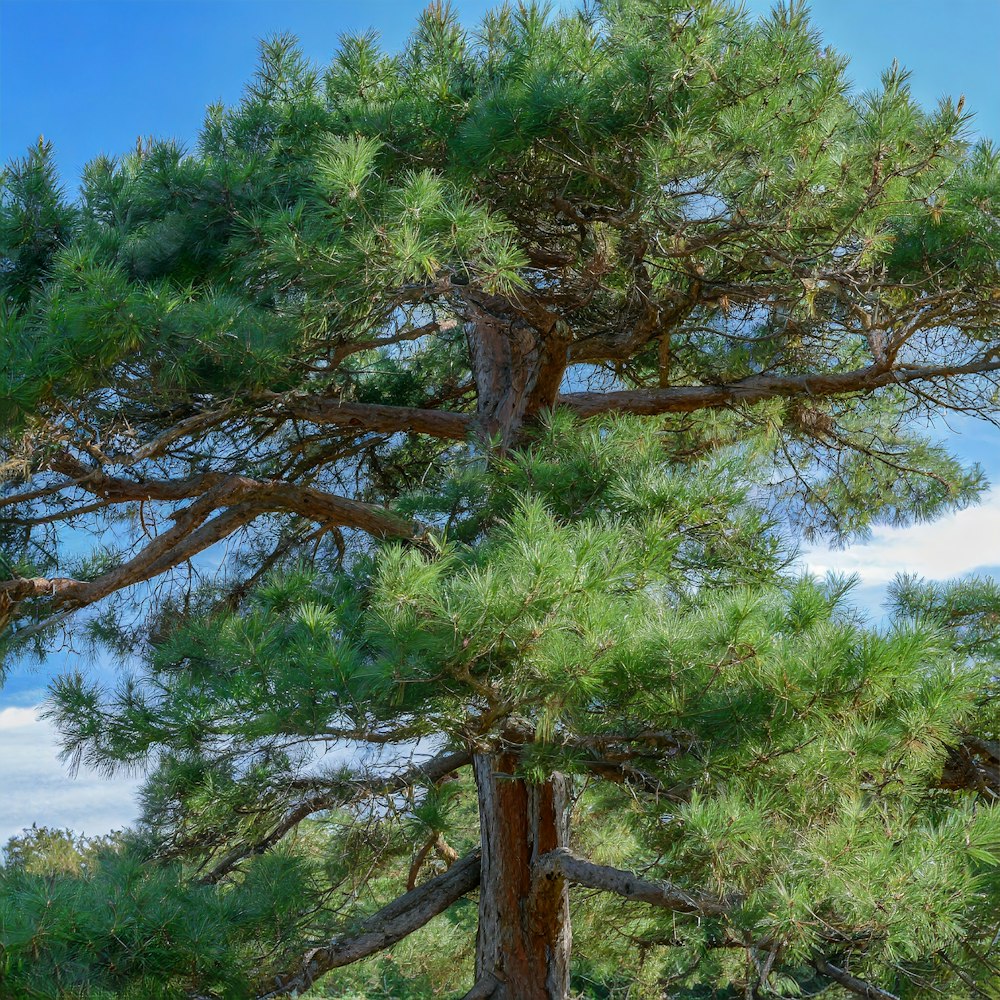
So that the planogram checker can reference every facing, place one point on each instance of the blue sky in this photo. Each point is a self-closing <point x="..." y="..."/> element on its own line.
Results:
<point x="92" y="75"/>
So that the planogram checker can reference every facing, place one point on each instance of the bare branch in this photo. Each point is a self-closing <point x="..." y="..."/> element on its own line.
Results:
<point x="190" y="534"/>
<point x="192" y="531"/>
<point x="392" y="923"/>
<point x="852" y="983"/>
<point x="757" y="388"/>
<point x="265" y="495"/>
<point x="450" y="425"/>
<point x="374" y="416"/>
<point x="484" y="988"/>
<point x="563" y="863"/>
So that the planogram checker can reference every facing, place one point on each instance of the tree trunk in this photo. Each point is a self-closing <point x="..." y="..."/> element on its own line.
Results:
<point x="523" y="946"/>
<point x="518" y="367"/>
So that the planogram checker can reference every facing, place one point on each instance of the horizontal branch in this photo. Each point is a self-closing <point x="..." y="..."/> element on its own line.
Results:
<point x="328" y="508"/>
<point x="852" y="983"/>
<point x="429" y="771"/>
<point x="375" y="417"/>
<point x="392" y="923"/>
<point x="194" y="529"/>
<point x="623" y="773"/>
<point x="758" y="388"/>
<point x="192" y="532"/>
<point x="562" y="863"/>
<point x="269" y="496"/>
<point x="450" y="425"/>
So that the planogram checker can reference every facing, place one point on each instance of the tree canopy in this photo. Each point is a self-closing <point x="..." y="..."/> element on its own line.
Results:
<point x="443" y="424"/>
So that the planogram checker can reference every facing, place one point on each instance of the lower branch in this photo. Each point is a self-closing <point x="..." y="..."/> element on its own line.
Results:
<point x="630" y="886"/>
<point x="852" y="983"/>
<point x="392" y="923"/>
<point x="239" y="501"/>
<point x="483" y="990"/>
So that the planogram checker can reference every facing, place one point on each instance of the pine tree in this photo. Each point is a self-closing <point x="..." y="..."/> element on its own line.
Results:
<point x="452" y="416"/>
<point x="43" y="850"/>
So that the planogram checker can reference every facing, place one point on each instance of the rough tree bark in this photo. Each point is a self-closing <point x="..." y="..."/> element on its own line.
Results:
<point x="518" y="356"/>
<point x="517" y="364"/>
<point x="523" y="943"/>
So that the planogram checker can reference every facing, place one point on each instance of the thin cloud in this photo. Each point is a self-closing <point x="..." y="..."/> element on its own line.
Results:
<point x="38" y="788"/>
<point x="958" y="544"/>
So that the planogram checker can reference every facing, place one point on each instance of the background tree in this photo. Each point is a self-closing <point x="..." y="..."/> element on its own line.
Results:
<point x="43" y="850"/>
<point x="381" y="333"/>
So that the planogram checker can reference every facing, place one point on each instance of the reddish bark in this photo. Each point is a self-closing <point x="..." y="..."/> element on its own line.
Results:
<point x="523" y="944"/>
<point x="518" y="355"/>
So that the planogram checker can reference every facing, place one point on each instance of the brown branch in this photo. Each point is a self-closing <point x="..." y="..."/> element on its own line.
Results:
<point x="338" y="792"/>
<point x="182" y="429"/>
<point x="430" y="771"/>
<point x="621" y="773"/>
<point x="392" y="923"/>
<point x="484" y="988"/>
<point x="330" y="509"/>
<point x="671" y="740"/>
<point x="562" y="863"/>
<point x="757" y="388"/>
<point x="418" y="860"/>
<point x="852" y="983"/>
<point x="117" y="489"/>
<point x="192" y="531"/>
<point x="190" y="534"/>
<point x="973" y="765"/>
<point x="435" y="842"/>
<point x="12" y="499"/>
<point x="374" y="416"/>
<point x="445" y="851"/>
<point x="450" y="425"/>
<point x="266" y="495"/>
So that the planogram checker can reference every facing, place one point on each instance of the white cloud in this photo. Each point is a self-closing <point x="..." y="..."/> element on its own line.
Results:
<point x="38" y="789"/>
<point x="951" y="546"/>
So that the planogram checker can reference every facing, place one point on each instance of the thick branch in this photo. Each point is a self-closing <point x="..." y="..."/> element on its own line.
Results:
<point x="973" y="765"/>
<point x="193" y="532"/>
<point x="622" y="773"/>
<point x="266" y="495"/>
<point x="392" y="923"/>
<point x="562" y="862"/>
<point x="483" y="989"/>
<point x="328" y="508"/>
<point x="375" y="416"/>
<point x="650" y="402"/>
<point x="757" y="388"/>
<point x="852" y="983"/>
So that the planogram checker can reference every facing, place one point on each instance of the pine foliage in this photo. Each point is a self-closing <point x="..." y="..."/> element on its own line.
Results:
<point x="470" y="401"/>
